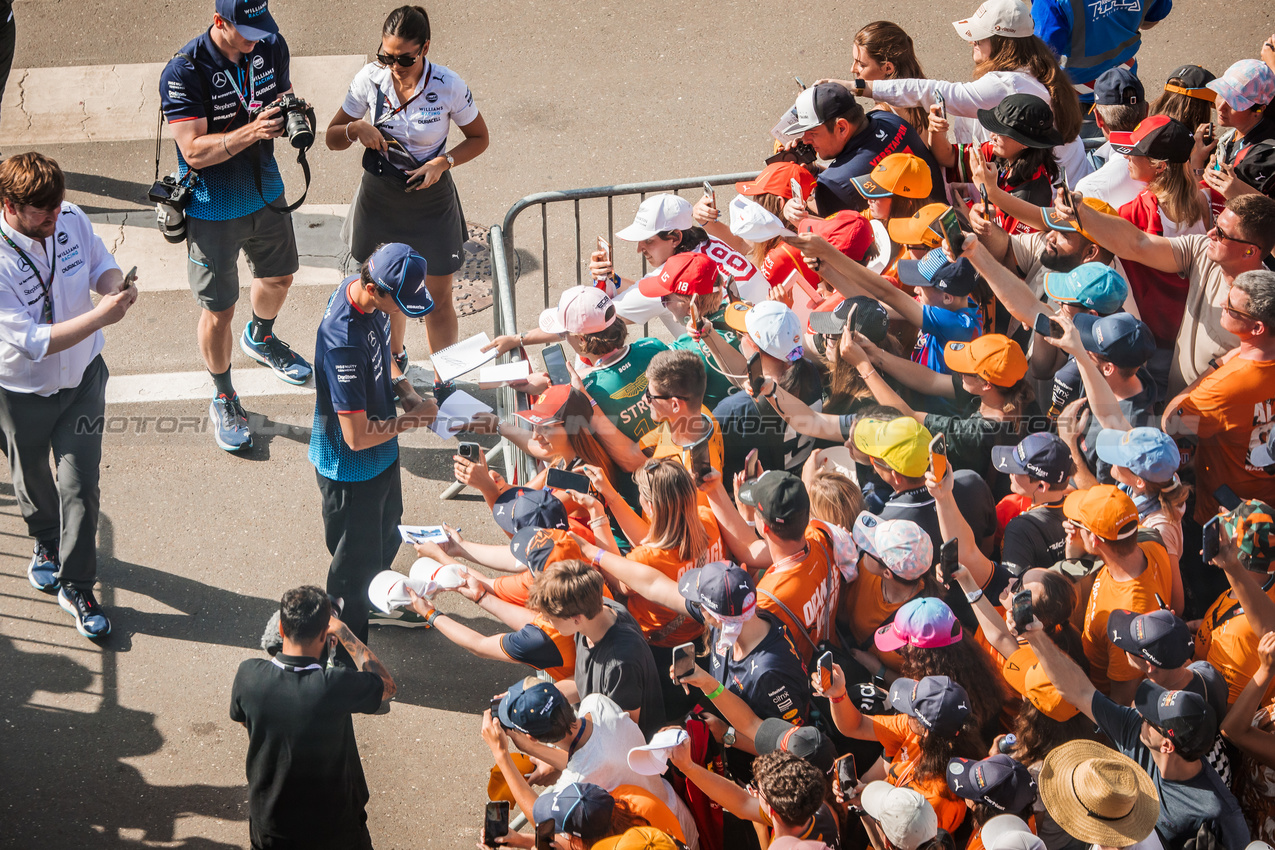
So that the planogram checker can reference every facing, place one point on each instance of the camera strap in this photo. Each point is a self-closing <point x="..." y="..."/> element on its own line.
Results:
<point x="159" y="124"/>
<point x="305" y="169"/>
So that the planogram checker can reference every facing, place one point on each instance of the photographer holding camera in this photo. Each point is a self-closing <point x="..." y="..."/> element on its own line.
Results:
<point x="226" y="96"/>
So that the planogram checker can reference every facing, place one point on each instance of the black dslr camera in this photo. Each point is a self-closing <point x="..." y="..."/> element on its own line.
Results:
<point x="801" y="153"/>
<point x="171" y="195"/>
<point x="298" y="119"/>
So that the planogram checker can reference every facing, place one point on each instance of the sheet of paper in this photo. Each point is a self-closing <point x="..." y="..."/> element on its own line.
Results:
<point x="464" y="356"/>
<point x="503" y="373"/>
<point x="422" y="534"/>
<point x="457" y="412"/>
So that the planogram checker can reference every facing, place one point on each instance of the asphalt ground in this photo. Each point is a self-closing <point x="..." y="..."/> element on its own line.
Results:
<point x="128" y="743"/>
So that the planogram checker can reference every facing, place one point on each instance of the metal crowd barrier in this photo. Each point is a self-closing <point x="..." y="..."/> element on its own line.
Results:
<point x="518" y="467"/>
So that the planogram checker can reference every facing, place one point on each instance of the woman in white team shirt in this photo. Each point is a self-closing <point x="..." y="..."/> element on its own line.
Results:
<point x="400" y="109"/>
<point x="1008" y="59"/>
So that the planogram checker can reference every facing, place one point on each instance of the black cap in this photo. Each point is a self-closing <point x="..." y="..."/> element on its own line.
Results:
<point x="1255" y="165"/>
<point x="999" y="781"/>
<point x="1042" y="456"/>
<point x="1191" y="77"/>
<point x="721" y="588"/>
<point x="939" y="703"/>
<point x="778" y="496"/>
<point x="1024" y="118"/>
<point x="822" y="103"/>
<point x="1118" y="86"/>
<point x="1185" y="718"/>
<point x="805" y="742"/>
<point x="1159" y="637"/>
<point x="1119" y="338"/>
<point x="1159" y="137"/>
<point x="870" y="319"/>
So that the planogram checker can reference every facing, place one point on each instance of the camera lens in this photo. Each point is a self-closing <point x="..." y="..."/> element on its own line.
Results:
<point x="299" y="132"/>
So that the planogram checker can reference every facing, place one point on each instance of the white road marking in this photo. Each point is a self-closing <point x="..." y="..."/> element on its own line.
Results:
<point x="184" y="386"/>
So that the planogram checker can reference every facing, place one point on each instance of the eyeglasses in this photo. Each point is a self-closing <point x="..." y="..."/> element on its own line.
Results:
<point x="1238" y="313"/>
<point x="405" y="60"/>
<point x="646" y="394"/>
<point x="1223" y="236"/>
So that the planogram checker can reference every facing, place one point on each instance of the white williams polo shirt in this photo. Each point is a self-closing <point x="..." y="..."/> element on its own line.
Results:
<point x="78" y="259"/>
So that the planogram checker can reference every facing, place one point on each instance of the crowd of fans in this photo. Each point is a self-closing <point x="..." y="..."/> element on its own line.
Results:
<point x="944" y="519"/>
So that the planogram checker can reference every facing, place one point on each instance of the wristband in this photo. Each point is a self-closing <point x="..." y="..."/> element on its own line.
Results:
<point x="716" y="692"/>
<point x="433" y="615"/>
<point x="481" y="598"/>
<point x="871" y="372"/>
<point x="597" y="557"/>
<point x="841" y="698"/>
<point x="224" y="146"/>
<point x="974" y="595"/>
<point x="347" y="131"/>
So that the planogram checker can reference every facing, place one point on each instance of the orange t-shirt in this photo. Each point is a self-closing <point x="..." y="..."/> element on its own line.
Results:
<point x="660" y="626"/>
<point x="803" y="587"/>
<point x="515" y="588"/>
<point x="566" y="648"/>
<point x="1226" y="640"/>
<point x="651" y="809"/>
<point x="864" y="609"/>
<point x="902" y="746"/>
<point x="1107" y="662"/>
<point x="1233" y="412"/>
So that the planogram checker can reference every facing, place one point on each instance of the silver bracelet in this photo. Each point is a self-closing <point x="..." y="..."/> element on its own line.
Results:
<point x="347" y="131"/>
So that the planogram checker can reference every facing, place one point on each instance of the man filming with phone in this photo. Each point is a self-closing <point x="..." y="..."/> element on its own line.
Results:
<point x="227" y="96"/>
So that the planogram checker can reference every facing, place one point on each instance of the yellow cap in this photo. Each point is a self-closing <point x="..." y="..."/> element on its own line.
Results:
<point x="902" y="444"/>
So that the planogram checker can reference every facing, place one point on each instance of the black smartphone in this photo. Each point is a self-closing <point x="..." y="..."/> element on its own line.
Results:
<point x="495" y="706"/>
<point x="1061" y="183"/>
<point x="823" y="666"/>
<point x="545" y="830"/>
<point x="948" y="227"/>
<point x="560" y="479"/>
<point x="129" y="278"/>
<point x="1021" y="609"/>
<point x="1212" y="539"/>
<point x="496" y="821"/>
<point x="1046" y="326"/>
<point x="556" y="364"/>
<point x="987" y="207"/>
<point x="752" y="466"/>
<point x="938" y="456"/>
<point x="1207" y="138"/>
<point x="847" y="774"/>
<point x="1226" y="497"/>
<point x="683" y="661"/>
<point x="755" y="376"/>
<point x="470" y="451"/>
<point x="949" y="559"/>
<point x="701" y="463"/>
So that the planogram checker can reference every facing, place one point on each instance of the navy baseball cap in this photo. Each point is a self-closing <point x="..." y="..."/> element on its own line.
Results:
<point x="537" y="548"/>
<point x="999" y="781"/>
<point x="934" y="269"/>
<point x="528" y="706"/>
<point x="399" y="271"/>
<point x="939" y="703"/>
<point x="721" y="588"/>
<point x="1184" y="717"/>
<point x="1042" y="456"/>
<point x="520" y="507"/>
<point x="580" y="808"/>
<point x="1118" y="86"/>
<point x="780" y="497"/>
<point x="1160" y="637"/>
<point x="251" y="18"/>
<point x="1119" y="338"/>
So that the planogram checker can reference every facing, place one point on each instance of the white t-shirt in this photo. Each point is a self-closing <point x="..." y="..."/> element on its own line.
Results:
<point x="1111" y="183"/>
<point x="604" y="760"/>
<point x="423" y="126"/>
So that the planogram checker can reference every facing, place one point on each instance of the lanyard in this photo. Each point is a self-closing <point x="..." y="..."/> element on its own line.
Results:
<point x="47" y="288"/>
<point x="428" y="70"/>
<point x="251" y="103"/>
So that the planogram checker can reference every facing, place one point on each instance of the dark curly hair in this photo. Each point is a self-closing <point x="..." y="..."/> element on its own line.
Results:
<point x="792" y="786"/>
<point x="1039" y="734"/>
<point x="937" y="750"/>
<point x="967" y="664"/>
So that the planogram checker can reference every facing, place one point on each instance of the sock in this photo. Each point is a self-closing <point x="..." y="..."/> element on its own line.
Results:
<point x="261" y="328"/>
<point x="222" y="384"/>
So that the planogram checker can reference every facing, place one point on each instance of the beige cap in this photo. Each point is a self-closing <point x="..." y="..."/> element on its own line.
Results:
<point x="1010" y="18"/>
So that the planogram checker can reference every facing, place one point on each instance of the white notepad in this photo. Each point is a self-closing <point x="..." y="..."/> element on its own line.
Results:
<point x="464" y="356"/>
<point x="490" y="377"/>
<point x="457" y="412"/>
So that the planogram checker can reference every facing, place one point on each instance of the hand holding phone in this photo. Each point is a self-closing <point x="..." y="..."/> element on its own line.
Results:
<point x="948" y="227"/>
<point x="795" y="186"/>
<point x="129" y="279"/>
<point x="938" y="456"/>
<point x="949" y="560"/>
<point x="823" y="666"/>
<point x="560" y="479"/>
<point x="605" y="247"/>
<point x="545" y="830"/>
<point x="755" y="377"/>
<point x="1046" y="326"/>
<point x="470" y="451"/>
<point x="495" y="821"/>
<point x="938" y="98"/>
<point x="1021" y="610"/>
<point x="1212" y="543"/>
<point x="683" y="661"/>
<point x="987" y="207"/>
<point x="752" y="466"/>
<point x="556" y="364"/>
<point x="847" y="774"/>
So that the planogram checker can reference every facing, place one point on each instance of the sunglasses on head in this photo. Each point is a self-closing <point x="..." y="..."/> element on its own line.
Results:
<point x="404" y="59"/>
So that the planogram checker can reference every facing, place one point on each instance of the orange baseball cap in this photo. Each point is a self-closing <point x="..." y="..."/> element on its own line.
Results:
<point x="995" y="358"/>
<point x="916" y="230"/>
<point x="781" y="261"/>
<point x="847" y="231"/>
<point x="1054" y="221"/>
<point x="1104" y="510"/>
<point x="897" y="174"/>
<point x="775" y="179"/>
<point x="638" y="838"/>
<point x="1022" y="671"/>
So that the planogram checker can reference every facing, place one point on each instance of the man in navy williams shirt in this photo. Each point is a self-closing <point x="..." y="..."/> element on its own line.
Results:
<point x="354" y="439"/>
<point x="830" y="120"/>
<point x="213" y="93"/>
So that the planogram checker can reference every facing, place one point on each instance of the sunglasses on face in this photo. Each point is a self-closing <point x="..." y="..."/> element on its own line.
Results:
<point x="405" y="59"/>
<point x="1238" y="313"/>
<point x="1223" y="236"/>
<point x="646" y="394"/>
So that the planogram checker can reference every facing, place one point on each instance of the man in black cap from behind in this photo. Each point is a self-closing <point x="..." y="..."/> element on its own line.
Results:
<point x="1120" y="103"/>
<point x="1038" y="468"/>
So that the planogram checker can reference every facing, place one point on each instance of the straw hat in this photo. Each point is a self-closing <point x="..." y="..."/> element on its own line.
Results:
<point x="1098" y="795"/>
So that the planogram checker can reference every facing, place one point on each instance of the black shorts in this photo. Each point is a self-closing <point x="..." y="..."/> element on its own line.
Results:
<point x="213" y="247"/>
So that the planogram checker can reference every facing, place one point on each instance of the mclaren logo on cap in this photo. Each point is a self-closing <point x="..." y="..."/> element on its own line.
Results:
<point x="956" y="346"/>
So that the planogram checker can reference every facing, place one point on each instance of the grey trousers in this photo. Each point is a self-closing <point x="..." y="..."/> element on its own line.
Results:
<point x="61" y="511"/>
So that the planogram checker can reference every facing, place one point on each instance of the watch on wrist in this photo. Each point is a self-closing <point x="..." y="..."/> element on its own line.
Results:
<point x="860" y="86"/>
<point x="728" y="740"/>
<point x="451" y="160"/>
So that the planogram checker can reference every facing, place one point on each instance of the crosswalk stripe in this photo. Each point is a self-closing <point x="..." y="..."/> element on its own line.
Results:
<point x="184" y="386"/>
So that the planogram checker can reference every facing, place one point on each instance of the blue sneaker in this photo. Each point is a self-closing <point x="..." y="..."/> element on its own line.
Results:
<point x="230" y="423"/>
<point x="90" y="621"/>
<point x="42" y="572"/>
<point x="278" y="355"/>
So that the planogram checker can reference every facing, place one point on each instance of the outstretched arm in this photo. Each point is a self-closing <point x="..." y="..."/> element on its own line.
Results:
<point x="1123" y="238"/>
<point x="850" y="279"/>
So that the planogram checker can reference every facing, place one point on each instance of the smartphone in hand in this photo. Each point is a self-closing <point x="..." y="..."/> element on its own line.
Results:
<point x="949" y="559"/>
<point x="847" y="773"/>
<point x="129" y="279"/>
<point x="470" y="451"/>
<point x="1212" y="543"/>
<point x="938" y="98"/>
<point x="823" y="666"/>
<point x="683" y="661"/>
<point x="752" y="466"/>
<point x="948" y="227"/>
<point x="545" y="831"/>
<point x="938" y="456"/>
<point x="560" y="479"/>
<point x="495" y="821"/>
<point x="1021" y="610"/>
<point x="1046" y="326"/>
<point x="556" y="364"/>
<point x="755" y="376"/>
<point x="795" y="186"/>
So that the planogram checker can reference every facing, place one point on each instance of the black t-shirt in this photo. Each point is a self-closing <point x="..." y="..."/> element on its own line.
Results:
<point x="1034" y="538"/>
<point x="745" y="427"/>
<point x="305" y="780"/>
<point x="621" y="667"/>
<point x="883" y="133"/>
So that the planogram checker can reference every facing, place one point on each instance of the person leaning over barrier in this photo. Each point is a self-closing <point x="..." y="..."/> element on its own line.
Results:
<point x="53" y="378"/>
<point x="220" y="95"/>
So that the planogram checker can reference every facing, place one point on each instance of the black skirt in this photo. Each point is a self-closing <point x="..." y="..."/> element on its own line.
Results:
<point x="430" y="221"/>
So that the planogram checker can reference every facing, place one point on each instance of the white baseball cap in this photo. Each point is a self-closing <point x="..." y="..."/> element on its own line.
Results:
<point x="387" y="591"/>
<point x="906" y="818"/>
<point x="657" y="214"/>
<point x="1010" y="18"/>
<point x="652" y="759"/>
<point x="1007" y="832"/>
<point x="580" y="310"/>
<point x="750" y="220"/>
<point x="776" y="330"/>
